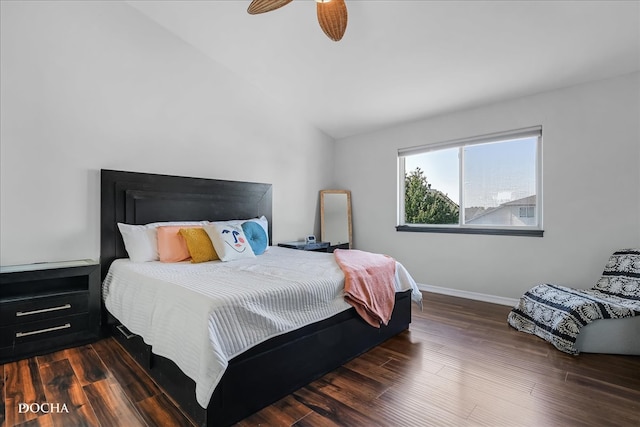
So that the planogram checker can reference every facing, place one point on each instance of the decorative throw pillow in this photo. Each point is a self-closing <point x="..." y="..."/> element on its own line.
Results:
<point x="199" y="245"/>
<point x="140" y="242"/>
<point x="229" y="241"/>
<point x="256" y="236"/>
<point x="172" y="247"/>
<point x="264" y="223"/>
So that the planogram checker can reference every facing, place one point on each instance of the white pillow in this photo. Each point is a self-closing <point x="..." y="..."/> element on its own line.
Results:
<point x="141" y="241"/>
<point x="171" y="223"/>
<point x="229" y="241"/>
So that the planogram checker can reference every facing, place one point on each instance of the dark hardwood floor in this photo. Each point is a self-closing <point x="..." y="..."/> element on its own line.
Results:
<point x="459" y="365"/>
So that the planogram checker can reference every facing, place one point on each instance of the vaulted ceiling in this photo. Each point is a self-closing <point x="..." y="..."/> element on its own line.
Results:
<point x="405" y="60"/>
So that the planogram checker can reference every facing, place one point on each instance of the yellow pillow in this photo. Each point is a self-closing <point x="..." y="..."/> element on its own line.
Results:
<point x="199" y="244"/>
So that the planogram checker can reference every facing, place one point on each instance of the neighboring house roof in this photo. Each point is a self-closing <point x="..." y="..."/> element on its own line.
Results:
<point x="525" y="201"/>
<point x="474" y="211"/>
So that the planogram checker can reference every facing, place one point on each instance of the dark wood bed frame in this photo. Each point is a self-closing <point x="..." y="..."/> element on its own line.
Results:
<point x="265" y="373"/>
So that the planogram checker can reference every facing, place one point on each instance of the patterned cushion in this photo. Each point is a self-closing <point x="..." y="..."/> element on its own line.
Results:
<point x="557" y="313"/>
<point x="229" y="241"/>
<point x="621" y="276"/>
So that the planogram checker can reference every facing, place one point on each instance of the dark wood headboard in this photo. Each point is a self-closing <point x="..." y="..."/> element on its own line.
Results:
<point x="141" y="198"/>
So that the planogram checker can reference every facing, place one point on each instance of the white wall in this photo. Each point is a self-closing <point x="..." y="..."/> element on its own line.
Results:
<point x="91" y="85"/>
<point x="591" y="147"/>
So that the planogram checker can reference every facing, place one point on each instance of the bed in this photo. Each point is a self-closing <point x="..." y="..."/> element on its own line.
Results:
<point x="275" y="365"/>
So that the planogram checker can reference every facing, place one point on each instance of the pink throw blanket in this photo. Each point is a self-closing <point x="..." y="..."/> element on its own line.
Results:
<point x="368" y="284"/>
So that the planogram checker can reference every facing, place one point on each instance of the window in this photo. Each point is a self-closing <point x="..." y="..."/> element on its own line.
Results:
<point x="489" y="184"/>
<point x="527" y="212"/>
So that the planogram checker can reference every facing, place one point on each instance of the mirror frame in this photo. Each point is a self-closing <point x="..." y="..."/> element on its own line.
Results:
<point x="322" y="226"/>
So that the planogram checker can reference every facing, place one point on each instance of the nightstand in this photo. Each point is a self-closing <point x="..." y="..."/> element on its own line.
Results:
<point x="48" y="306"/>
<point x="304" y="246"/>
<point x="338" y="246"/>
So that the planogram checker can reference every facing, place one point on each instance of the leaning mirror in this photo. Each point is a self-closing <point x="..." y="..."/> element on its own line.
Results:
<point x="335" y="218"/>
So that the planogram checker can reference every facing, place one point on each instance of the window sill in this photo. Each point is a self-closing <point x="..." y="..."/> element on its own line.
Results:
<point x="464" y="230"/>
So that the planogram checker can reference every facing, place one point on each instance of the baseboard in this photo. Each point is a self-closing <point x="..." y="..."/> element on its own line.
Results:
<point x="469" y="295"/>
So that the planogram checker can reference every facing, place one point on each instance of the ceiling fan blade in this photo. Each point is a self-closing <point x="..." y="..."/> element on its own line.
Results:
<point x="262" y="6"/>
<point x="332" y="17"/>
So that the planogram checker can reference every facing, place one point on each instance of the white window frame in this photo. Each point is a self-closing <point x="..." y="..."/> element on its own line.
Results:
<point x="461" y="227"/>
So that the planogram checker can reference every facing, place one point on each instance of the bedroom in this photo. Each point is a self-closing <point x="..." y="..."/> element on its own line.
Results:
<point x="89" y="86"/>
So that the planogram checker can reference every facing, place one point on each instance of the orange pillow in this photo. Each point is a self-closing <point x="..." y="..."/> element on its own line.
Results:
<point x="171" y="245"/>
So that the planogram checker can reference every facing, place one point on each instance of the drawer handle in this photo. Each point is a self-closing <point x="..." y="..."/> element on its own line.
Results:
<point x="43" y="310"/>
<point x="42" y="331"/>
<point x="124" y="333"/>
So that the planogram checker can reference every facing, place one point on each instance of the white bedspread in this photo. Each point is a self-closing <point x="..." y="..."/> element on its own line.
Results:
<point x="202" y="315"/>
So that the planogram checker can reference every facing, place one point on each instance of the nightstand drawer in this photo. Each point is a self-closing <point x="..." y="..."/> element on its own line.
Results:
<point x="26" y="310"/>
<point x="43" y="330"/>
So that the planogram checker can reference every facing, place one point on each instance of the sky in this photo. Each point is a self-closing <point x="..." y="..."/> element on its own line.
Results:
<point x="494" y="173"/>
